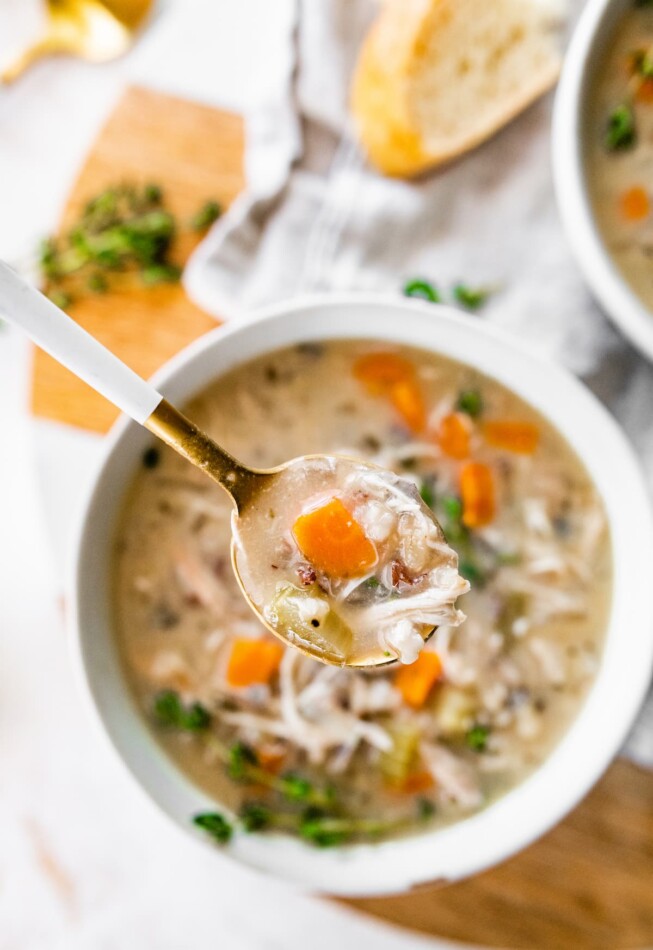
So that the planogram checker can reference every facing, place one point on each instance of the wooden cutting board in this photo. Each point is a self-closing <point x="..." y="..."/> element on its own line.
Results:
<point x="589" y="882"/>
<point x="195" y="153"/>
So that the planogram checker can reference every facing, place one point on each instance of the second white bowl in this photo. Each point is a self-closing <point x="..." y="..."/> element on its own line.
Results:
<point x="585" y="56"/>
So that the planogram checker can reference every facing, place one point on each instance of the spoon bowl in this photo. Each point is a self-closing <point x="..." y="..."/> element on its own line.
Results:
<point x="94" y="30"/>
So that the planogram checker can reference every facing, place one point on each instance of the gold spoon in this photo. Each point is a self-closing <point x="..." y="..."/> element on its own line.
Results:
<point x="95" y="30"/>
<point x="56" y="333"/>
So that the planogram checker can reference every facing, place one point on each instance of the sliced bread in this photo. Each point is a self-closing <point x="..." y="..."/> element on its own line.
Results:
<point x="436" y="77"/>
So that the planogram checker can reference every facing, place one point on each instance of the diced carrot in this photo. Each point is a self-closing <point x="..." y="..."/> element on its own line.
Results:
<point x="415" y="682"/>
<point x="478" y="494"/>
<point x="270" y="761"/>
<point x="379" y="372"/>
<point x="253" y="661"/>
<point x="417" y="782"/>
<point x="392" y="376"/>
<point x="635" y="204"/>
<point x="407" y="399"/>
<point x="645" y="91"/>
<point x="512" y="435"/>
<point x="453" y="435"/>
<point x="333" y="541"/>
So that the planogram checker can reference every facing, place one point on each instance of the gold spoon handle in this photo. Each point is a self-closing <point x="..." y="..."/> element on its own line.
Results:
<point x="48" y="45"/>
<point x="173" y="428"/>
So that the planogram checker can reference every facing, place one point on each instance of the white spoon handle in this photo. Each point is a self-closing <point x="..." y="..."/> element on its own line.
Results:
<point x="62" y="338"/>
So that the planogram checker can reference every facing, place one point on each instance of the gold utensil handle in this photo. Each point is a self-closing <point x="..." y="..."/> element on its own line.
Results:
<point x="47" y="45"/>
<point x="173" y="428"/>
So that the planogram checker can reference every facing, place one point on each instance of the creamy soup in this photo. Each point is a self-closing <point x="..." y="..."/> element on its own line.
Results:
<point x="335" y="754"/>
<point x="619" y="148"/>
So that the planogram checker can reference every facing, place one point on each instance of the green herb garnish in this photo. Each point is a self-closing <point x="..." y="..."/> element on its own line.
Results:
<point x="425" y="809"/>
<point x="153" y="194"/>
<point x="621" y="132"/>
<point x="452" y="507"/>
<point x="642" y="63"/>
<point x="206" y="216"/>
<point x="470" y="298"/>
<point x="322" y="828"/>
<point x="97" y="284"/>
<point x="472" y="573"/>
<point x="256" y="816"/>
<point x="476" y="737"/>
<point x="123" y="237"/>
<point x="427" y="494"/>
<point x="243" y="766"/>
<point x="470" y="402"/>
<point x="324" y="831"/>
<point x="422" y="289"/>
<point x="160" y="274"/>
<point x="241" y="758"/>
<point x="170" y="711"/>
<point x="296" y="788"/>
<point x="216" y="825"/>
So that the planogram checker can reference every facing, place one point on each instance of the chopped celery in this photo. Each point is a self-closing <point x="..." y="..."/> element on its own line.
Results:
<point x="398" y="762"/>
<point x="454" y="710"/>
<point x="307" y="613"/>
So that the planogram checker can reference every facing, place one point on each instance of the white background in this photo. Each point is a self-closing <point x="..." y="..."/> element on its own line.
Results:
<point x="84" y="859"/>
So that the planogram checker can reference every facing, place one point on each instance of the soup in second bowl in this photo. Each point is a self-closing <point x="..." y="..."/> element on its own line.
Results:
<point x="333" y="754"/>
<point x="619" y="148"/>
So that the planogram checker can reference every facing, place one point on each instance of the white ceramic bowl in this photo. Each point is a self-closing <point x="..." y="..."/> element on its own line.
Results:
<point x="597" y="733"/>
<point x="585" y="55"/>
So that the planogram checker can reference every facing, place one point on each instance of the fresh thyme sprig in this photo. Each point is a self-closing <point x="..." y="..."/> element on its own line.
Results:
<point x="310" y="812"/>
<point x="124" y="238"/>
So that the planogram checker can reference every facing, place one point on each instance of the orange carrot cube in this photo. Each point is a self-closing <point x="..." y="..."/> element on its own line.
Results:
<point x="415" y="682"/>
<point x="512" y="435"/>
<point x="417" y="782"/>
<point x="635" y="204"/>
<point x="407" y="399"/>
<point x="645" y="91"/>
<point x="453" y="435"/>
<point x="253" y="661"/>
<point x="478" y="494"/>
<point x="379" y="372"/>
<point x="333" y="541"/>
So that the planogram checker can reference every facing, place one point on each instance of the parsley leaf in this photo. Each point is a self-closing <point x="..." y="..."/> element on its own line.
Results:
<point x="621" y="131"/>
<point x="215" y="825"/>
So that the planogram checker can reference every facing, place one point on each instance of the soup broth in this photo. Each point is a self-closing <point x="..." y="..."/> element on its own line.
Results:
<point x="337" y="754"/>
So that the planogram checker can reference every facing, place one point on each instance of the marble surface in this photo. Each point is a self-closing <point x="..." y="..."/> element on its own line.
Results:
<point x="85" y="861"/>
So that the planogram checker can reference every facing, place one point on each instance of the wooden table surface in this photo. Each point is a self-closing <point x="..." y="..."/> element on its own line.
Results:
<point x="589" y="882"/>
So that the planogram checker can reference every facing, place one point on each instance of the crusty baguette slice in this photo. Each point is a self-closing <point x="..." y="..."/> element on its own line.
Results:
<point x="436" y="77"/>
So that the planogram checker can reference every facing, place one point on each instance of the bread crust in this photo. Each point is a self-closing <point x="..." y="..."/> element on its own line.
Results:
<point x="380" y="97"/>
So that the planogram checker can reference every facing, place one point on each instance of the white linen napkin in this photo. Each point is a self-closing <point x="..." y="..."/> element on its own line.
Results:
<point x="317" y="217"/>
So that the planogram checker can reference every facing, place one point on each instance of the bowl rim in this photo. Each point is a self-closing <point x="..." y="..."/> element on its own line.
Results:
<point x="602" y="275"/>
<point x="568" y="772"/>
